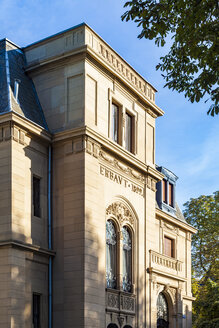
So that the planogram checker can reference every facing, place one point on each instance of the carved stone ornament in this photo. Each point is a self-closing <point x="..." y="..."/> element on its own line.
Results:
<point x="120" y="212"/>
<point x="132" y="173"/>
<point x="113" y="300"/>
<point x="173" y="292"/>
<point x="127" y="303"/>
<point x="121" y="320"/>
<point x="171" y="227"/>
<point x="151" y="184"/>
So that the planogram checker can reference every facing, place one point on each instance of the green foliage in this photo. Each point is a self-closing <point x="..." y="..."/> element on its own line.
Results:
<point x="191" y="66"/>
<point x="203" y="214"/>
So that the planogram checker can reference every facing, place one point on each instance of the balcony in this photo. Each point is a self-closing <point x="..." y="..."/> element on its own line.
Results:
<point x="165" y="263"/>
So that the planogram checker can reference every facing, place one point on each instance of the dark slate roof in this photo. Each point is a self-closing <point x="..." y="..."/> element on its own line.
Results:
<point x="12" y="62"/>
<point x="179" y="214"/>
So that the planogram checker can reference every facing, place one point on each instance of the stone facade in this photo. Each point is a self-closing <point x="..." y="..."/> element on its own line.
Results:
<point x="87" y="178"/>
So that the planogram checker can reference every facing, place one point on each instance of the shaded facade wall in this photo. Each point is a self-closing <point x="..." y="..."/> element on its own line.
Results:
<point x="23" y="272"/>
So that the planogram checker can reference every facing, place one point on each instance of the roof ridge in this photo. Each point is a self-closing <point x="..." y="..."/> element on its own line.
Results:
<point x="7" y="70"/>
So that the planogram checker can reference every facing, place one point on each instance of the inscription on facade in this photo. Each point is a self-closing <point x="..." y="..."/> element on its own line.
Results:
<point x="120" y="180"/>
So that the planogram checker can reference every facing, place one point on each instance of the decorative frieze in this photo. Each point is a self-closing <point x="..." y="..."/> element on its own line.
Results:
<point x="82" y="143"/>
<point x="8" y="132"/>
<point x="124" y="168"/>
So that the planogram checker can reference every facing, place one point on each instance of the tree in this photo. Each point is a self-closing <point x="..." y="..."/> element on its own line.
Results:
<point x="192" y="64"/>
<point x="203" y="214"/>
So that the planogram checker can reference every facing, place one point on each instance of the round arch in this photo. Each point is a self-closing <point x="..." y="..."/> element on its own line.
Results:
<point x="170" y="295"/>
<point x="112" y="325"/>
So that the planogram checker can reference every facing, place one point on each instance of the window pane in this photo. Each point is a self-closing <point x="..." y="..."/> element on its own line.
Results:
<point x="164" y="183"/>
<point x="115" y="123"/>
<point x="170" y="194"/>
<point x="162" y="311"/>
<point x="36" y="311"/>
<point x="36" y="196"/>
<point x="128" y="132"/>
<point x="127" y="259"/>
<point x="168" y="247"/>
<point x="111" y="251"/>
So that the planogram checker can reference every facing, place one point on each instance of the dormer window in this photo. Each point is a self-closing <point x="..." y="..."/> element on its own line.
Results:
<point x="165" y="194"/>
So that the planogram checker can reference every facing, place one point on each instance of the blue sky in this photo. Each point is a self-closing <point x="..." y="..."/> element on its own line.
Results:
<point x="187" y="140"/>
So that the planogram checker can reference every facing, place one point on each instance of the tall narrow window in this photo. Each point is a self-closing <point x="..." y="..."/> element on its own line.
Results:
<point x="128" y="132"/>
<point x="127" y="259"/>
<point x="111" y="251"/>
<point x="171" y="194"/>
<point x="168" y="246"/>
<point x="115" y="123"/>
<point x="36" y="196"/>
<point x="36" y="310"/>
<point x="164" y="190"/>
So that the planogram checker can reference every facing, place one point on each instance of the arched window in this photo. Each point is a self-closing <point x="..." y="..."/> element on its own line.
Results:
<point x="111" y="251"/>
<point x="127" y="259"/>
<point x="162" y="312"/>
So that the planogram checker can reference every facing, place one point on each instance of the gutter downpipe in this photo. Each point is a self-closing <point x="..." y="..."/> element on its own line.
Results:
<point x="50" y="236"/>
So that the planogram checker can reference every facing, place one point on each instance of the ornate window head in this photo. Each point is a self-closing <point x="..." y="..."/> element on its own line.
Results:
<point x="111" y="254"/>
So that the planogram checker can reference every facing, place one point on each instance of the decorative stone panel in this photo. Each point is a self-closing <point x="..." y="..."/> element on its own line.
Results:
<point x="119" y="301"/>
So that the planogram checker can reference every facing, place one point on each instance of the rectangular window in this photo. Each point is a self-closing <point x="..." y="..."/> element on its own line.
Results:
<point x="171" y="194"/>
<point x="115" y="123"/>
<point x="168" y="247"/>
<point x="36" y="196"/>
<point x="128" y="132"/>
<point x="164" y="190"/>
<point x="36" y="310"/>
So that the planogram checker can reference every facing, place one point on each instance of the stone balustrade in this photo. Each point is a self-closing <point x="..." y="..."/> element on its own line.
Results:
<point x="165" y="261"/>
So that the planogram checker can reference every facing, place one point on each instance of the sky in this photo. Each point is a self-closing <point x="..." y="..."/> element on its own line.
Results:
<point x="187" y="139"/>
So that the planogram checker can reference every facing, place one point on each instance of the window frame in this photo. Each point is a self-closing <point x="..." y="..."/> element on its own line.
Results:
<point x="173" y="246"/>
<point x="132" y="132"/>
<point x="38" y="296"/>
<point x="119" y="121"/>
<point x="36" y="209"/>
<point x="119" y="256"/>
<point x="121" y="130"/>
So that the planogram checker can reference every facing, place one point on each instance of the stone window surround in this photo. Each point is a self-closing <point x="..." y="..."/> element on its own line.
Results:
<point x="122" y="216"/>
<point x="122" y="117"/>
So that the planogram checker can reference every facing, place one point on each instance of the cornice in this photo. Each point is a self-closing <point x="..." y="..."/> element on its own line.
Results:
<point x="26" y="124"/>
<point x="189" y="298"/>
<point x="82" y="39"/>
<point x="177" y="222"/>
<point x="165" y="274"/>
<point x="111" y="147"/>
<point x="27" y="247"/>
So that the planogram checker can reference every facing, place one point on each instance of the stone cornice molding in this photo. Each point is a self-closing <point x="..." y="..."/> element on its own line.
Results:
<point x="178" y="223"/>
<point x="25" y="124"/>
<point x="110" y="147"/>
<point x="165" y="274"/>
<point x="27" y="247"/>
<point x="82" y="39"/>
